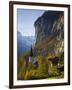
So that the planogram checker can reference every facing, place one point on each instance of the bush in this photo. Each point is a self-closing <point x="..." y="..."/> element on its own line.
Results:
<point x="52" y="70"/>
<point x="21" y="69"/>
<point x="28" y="75"/>
<point x="42" y="67"/>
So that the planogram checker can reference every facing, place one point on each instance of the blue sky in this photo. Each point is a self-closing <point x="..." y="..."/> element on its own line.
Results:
<point x="26" y="19"/>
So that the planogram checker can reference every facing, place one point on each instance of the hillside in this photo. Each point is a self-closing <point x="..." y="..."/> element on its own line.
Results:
<point x="24" y="43"/>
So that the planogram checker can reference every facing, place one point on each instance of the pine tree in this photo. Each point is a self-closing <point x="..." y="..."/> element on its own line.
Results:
<point x="31" y="51"/>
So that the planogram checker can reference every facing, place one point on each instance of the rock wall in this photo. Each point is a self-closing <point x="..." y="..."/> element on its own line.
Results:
<point x="49" y="32"/>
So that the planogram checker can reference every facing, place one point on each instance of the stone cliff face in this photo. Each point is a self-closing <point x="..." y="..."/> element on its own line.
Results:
<point x="49" y="32"/>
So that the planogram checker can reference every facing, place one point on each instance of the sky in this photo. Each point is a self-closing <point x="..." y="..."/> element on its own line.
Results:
<point x="26" y="19"/>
